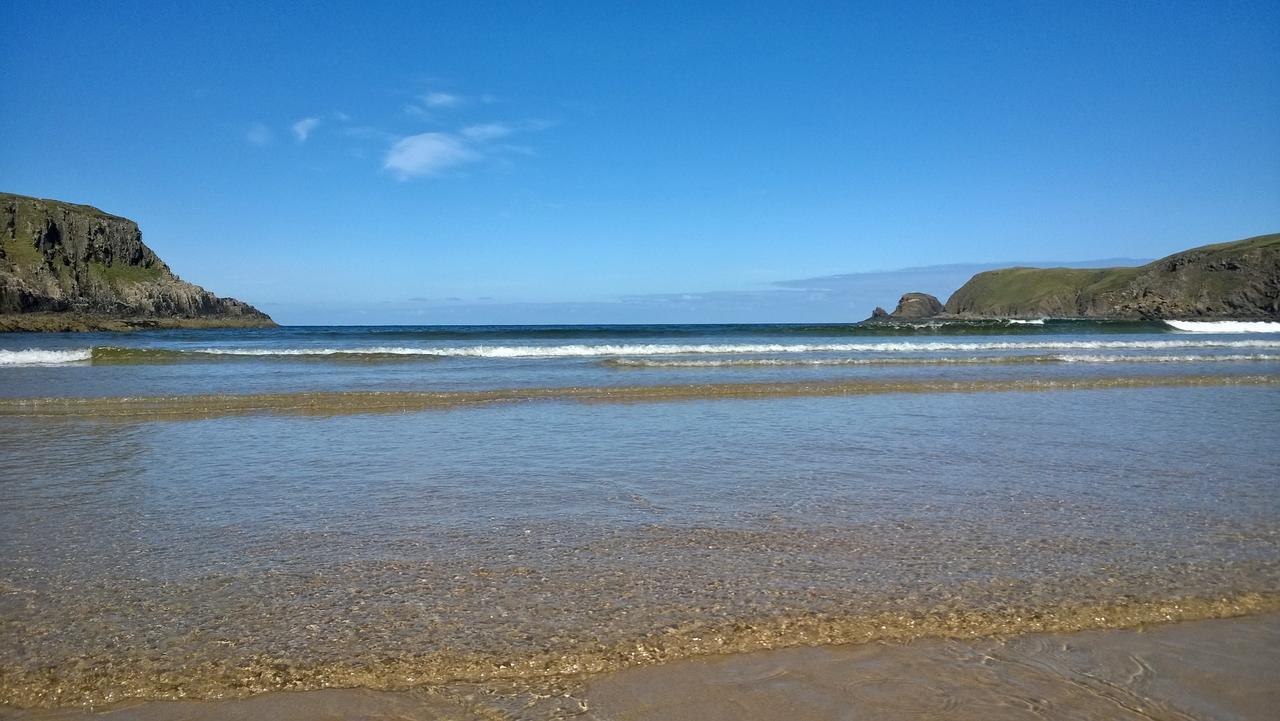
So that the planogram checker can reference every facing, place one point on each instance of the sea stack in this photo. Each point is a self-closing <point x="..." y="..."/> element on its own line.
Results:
<point x="911" y="306"/>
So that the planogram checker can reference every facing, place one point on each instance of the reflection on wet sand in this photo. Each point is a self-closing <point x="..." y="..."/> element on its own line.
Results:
<point x="1222" y="669"/>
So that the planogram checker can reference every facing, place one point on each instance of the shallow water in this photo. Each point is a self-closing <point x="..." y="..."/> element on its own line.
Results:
<point x="207" y="525"/>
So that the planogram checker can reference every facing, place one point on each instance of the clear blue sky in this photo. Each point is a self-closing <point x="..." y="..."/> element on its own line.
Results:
<point x="588" y="162"/>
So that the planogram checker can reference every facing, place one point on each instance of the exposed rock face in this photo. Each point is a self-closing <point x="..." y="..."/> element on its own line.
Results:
<point x="1239" y="280"/>
<point x="913" y="306"/>
<point x="74" y="267"/>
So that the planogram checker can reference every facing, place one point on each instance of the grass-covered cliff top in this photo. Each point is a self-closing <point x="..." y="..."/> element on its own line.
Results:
<point x="48" y="204"/>
<point x="1222" y="279"/>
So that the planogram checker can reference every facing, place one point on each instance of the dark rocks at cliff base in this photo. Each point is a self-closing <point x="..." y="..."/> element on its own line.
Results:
<point x="73" y="267"/>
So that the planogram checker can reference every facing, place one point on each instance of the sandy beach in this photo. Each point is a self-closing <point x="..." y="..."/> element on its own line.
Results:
<point x="1226" y="669"/>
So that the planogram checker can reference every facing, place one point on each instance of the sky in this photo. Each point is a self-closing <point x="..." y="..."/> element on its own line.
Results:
<point x="595" y="162"/>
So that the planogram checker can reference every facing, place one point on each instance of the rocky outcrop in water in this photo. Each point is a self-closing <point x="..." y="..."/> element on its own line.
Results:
<point x="74" y="267"/>
<point x="916" y="305"/>
<point x="1228" y="281"/>
<point x="911" y="306"/>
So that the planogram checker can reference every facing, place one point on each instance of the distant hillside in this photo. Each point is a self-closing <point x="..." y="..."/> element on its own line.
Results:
<point x="1239" y="280"/>
<point x="74" y="267"/>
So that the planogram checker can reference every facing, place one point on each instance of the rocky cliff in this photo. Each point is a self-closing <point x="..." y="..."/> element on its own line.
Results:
<point x="1238" y="280"/>
<point x="74" y="267"/>
<point x="1228" y="281"/>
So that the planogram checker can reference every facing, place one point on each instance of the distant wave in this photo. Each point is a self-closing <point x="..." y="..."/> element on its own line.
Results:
<point x="38" y="357"/>
<point x="976" y="360"/>
<point x="1224" y="326"/>
<point x="111" y="354"/>
<point x="380" y="335"/>
<point x="576" y="350"/>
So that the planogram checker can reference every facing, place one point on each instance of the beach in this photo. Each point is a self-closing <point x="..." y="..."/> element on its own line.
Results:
<point x="640" y="522"/>
<point x="618" y="361"/>
<point x="1219" y="669"/>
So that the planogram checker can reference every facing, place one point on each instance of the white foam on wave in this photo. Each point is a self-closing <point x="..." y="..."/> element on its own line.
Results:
<point x="40" y="357"/>
<point x="375" y="350"/>
<point x="1019" y="321"/>
<point x="1224" y="326"/>
<point x="60" y="357"/>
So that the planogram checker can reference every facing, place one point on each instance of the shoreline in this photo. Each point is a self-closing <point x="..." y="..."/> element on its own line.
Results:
<point x="91" y="685"/>
<point x="1205" y="668"/>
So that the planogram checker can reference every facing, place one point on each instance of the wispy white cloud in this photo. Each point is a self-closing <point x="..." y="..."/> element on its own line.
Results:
<point x="259" y="134"/>
<point x="442" y="100"/>
<point x="486" y="131"/>
<point x="454" y="137"/>
<point x="302" y="129"/>
<point x="429" y="104"/>
<point x="427" y="154"/>
<point x="430" y="153"/>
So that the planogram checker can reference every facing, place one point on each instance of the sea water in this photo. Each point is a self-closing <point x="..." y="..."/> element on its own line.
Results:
<point x="207" y="514"/>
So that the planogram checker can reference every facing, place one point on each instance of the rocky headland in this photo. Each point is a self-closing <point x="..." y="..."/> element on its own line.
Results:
<point x="1227" y="281"/>
<point x="67" y="267"/>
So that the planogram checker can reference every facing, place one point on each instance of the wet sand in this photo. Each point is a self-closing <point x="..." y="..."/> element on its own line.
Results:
<point x="1213" y="669"/>
<point x="193" y="407"/>
<point x="1216" y="669"/>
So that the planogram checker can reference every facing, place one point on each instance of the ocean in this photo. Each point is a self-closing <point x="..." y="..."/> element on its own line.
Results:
<point x="217" y="513"/>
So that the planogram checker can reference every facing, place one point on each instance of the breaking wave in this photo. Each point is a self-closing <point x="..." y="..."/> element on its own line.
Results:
<point x="580" y="350"/>
<point x="123" y="355"/>
<point x="1224" y="326"/>
<point x="38" y="357"/>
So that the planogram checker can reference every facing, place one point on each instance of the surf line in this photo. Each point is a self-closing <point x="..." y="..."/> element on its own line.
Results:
<point x="338" y="403"/>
